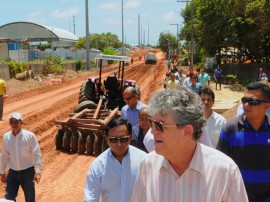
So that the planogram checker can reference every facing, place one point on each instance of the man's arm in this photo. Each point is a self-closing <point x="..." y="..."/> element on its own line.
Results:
<point x="4" y="161"/>
<point x="92" y="188"/>
<point x="139" y="191"/>
<point x="37" y="157"/>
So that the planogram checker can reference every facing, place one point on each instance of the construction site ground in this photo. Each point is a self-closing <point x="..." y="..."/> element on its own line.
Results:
<point x="64" y="174"/>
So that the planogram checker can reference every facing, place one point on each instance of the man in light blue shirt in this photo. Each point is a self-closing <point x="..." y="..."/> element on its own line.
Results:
<point x="112" y="175"/>
<point x="204" y="79"/>
<point x="132" y="108"/>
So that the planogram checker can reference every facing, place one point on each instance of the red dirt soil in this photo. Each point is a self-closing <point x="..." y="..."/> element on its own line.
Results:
<point x="63" y="174"/>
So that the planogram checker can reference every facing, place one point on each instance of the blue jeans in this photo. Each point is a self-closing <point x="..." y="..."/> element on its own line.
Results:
<point x="24" y="178"/>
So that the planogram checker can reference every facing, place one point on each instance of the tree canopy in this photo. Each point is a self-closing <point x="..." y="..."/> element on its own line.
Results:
<point x="221" y="26"/>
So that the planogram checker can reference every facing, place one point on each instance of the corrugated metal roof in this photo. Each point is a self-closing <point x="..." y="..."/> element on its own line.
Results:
<point x="27" y="31"/>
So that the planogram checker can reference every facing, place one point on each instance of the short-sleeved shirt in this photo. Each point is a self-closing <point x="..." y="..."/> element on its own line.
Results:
<point x="197" y="88"/>
<point x="2" y="86"/>
<point x="218" y="73"/>
<point x="250" y="149"/>
<point x="203" y="78"/>
<point x="172" y="84"/>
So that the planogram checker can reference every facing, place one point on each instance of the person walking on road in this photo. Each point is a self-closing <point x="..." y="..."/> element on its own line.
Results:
<point x="2" y="96"/>
<point x="217" y="77"/>
<point x="180" y="168"/>
<point x="246" y="140"/>
<point x="131" y="110"/>
<point x="112" y="174"/>
<point x="262" y="75"/>
<point x="21" y="152"/>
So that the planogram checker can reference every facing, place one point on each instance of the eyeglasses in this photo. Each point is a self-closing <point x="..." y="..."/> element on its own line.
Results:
<point x="122" y="139"/>
<point x="159" y="125"/>
<point x="252" y="101"/>
<point x="128" y="98"/>
<point x="14" y="122"/>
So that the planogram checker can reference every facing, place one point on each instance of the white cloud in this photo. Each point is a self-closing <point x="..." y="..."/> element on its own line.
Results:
<point x="65" y="13"/>
<point x="132" y="4"/>
<point x="110" y="6"/>
<point x="170" y="17"/>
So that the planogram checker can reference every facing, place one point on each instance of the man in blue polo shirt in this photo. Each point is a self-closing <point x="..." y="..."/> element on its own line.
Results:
<point x="132" y="108"/>
<point x="246" y="139"/>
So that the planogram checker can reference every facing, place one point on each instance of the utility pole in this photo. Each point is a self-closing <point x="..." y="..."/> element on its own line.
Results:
<point x="148" y="34"/>
<point x="192" y="42"/>
<point x="122" y="27"/>
<point x="87" y="35"/>
<point x="177" y="36"/>
<point x="139" y="32"/>
<point x="74" y="25"/>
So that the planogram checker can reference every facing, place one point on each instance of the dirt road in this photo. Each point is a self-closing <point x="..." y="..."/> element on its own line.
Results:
<point x="63" y="174"/>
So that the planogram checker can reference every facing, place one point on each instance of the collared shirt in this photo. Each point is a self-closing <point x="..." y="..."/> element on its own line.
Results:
<point x="197" y="88"/>
<point x="111" y="181"/>
<point x="250" y="149"/>
<point x="203" y="79"/>
<point x="211" y="176"/>
<point x="20" y="152"/>
<point x="214" y="125"/>
<point x="172" y="84"/>
<point x="132" y="115"/>
<point x="2" y="86"/>
<point x="149" y="141"/>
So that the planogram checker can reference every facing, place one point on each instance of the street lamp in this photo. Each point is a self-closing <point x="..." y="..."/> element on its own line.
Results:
<point x="87" y="35"/>
<point x="177" y="35"/>
<point x="122" y="27"/>
<point x="192" y="43"/>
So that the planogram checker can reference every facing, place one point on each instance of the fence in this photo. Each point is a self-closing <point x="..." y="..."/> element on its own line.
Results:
<point x="245" y="72"/>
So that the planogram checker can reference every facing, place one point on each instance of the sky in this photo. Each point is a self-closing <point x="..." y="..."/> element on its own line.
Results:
<point x="104" y="16"/>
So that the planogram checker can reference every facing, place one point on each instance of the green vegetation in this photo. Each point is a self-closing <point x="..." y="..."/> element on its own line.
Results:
<point x="237" y="27"/>
<point x="53" y="64"/>
<point x="100" y="41"/>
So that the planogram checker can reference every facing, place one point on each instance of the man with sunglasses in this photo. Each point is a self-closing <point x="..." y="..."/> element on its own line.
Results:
<point x="131" y="110"/>
<point x="246" y="139"/>
<point x="112" y="174"/>
<point x="21" y="152"/>
<point x="180" y="168"/>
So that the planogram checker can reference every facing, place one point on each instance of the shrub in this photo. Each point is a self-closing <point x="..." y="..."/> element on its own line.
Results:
<point x="53" y="65"/>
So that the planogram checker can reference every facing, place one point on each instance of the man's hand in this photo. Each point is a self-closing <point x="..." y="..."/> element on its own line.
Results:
<point x="3" y="178"/>
<point x="37" y="177"/>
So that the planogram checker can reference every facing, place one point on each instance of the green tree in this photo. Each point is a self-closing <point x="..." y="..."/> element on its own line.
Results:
<point x="167" y="43"/>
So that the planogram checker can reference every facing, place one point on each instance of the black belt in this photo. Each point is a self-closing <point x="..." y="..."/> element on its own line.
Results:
<point x="20" y="171"/>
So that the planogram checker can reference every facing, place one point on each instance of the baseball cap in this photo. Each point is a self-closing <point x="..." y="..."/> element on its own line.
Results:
<point x="16" y="115"/>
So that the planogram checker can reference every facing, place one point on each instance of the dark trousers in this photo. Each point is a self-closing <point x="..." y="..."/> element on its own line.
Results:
<point x="24" y="178"/>
<point x="1" y="106"/>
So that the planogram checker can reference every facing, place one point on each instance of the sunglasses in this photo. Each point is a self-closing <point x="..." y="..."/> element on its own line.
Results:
<point x="122" y="139"/>
<point x="252" y="101"/>
<point x="159" y="125"/>
<point x="128" y="98"/>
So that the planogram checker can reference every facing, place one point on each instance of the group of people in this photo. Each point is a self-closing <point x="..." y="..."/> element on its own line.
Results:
<point x="191" y="148"/>
<point x="194" y="153"/>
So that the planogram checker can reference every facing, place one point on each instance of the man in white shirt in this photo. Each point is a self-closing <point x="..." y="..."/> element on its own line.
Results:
<point x="112" y="174"/>
<point x="21" y="152"/>
<point x="215" y="121"/>
<point x="181" y="169"/>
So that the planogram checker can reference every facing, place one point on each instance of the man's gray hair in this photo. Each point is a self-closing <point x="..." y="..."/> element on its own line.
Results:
<point x="185" y="105"/>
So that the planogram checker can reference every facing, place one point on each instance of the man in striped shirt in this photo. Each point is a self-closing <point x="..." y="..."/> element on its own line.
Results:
<point x="246" y="139"/>
<point x="181" y="169"/>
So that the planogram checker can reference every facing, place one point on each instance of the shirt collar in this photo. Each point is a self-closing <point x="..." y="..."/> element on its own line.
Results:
<point x="196" y="164"/>
<point x="244" y="122"/>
